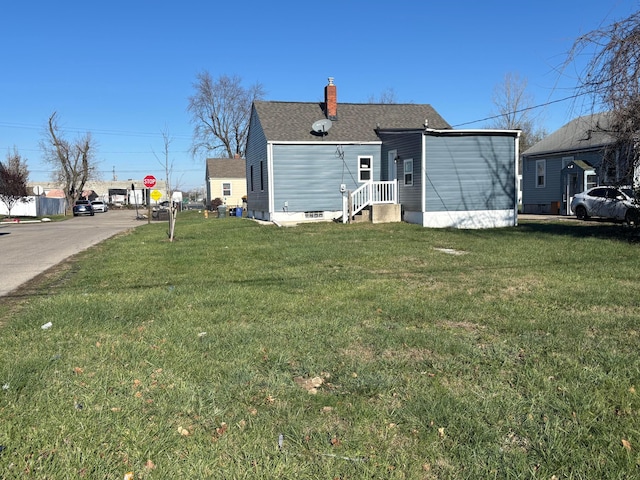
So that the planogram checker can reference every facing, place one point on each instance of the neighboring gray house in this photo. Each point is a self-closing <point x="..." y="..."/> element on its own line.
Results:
<point x="311" y="160"/>
<point x="565" y="163"/>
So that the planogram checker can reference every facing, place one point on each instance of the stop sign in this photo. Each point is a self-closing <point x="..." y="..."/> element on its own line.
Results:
<point x="149" y="181"/>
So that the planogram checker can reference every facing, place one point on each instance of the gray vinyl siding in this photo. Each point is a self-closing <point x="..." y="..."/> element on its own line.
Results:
<point x="407" y="145"/>
<point x="470" y="172"/>
<point x="552" y="191"/>
<point x="257" y="200"/>
<point x="307" y="177"/>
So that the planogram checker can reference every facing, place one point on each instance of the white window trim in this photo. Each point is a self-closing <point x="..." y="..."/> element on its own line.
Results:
<point x="405" y="163"/>
<point x="544" y="173"/>
<point x="360" y="169"/>
<point x="230" y="189"/>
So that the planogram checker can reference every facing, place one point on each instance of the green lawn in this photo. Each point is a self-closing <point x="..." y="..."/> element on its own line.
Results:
<point x="329" y="351"/>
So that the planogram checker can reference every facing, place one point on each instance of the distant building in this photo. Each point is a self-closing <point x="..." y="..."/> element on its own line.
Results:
<point x="111" y="192"/>
<point x="226" y="180"/>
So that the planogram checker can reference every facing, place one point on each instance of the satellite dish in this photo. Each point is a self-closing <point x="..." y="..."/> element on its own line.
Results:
<point x="322" y="126"/>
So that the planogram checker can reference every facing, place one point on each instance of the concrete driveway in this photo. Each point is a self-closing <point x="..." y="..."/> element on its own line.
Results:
<point x="29" y="249"/>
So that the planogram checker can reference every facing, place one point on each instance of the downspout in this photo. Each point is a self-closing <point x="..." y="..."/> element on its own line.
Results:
<point x="423" y="178"/>
<point x="517" y="158"/>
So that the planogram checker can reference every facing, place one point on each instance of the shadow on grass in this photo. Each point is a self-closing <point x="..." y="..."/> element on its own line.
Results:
<point x="603" y="229"/>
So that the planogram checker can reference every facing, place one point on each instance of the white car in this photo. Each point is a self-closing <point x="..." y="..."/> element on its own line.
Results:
<point x="616" y="203"/>
<point x="99" y="206"/>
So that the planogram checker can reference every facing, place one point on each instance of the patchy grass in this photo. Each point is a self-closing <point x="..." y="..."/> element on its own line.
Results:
<point x="328" y="351"/>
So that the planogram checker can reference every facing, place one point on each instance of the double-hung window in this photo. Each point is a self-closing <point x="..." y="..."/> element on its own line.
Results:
<point x="408" y="171"/>
<point x="226" y="189"/>
<point x="541" y="173"/>
<point x="365" y="169"/>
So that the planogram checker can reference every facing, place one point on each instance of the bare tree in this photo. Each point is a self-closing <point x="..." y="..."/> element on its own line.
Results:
<point x="388" y="96"/>
<point x="73" y="161"/>
<point x="220" y="112"/>
<point x="611" y="82"/>
<point x="167" y="164"/>
<point x="13" y="180"/>
<point x="514" y="110"/>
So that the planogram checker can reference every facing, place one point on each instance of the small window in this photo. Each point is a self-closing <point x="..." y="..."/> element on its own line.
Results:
<point x="408" y="171"/>
<point x="365" y="169"/>
<point x="261" y="176"/>
<point x="541" y="173"/>
<point x="251" y="176"/>
<point x="226" y="189"/>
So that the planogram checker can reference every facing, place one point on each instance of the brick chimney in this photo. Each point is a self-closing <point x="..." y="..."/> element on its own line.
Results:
<point x="331" y="100"/>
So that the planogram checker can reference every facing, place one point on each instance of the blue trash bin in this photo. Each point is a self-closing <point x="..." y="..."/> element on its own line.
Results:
<point x="238" y="211"/>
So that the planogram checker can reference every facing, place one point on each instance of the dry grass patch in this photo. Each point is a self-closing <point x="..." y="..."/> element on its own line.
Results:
<point x="466" y="326"/>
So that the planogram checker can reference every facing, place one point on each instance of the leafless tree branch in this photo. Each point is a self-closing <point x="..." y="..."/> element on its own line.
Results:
<point x="611" y="80"/>
<point x="220" y="112"/>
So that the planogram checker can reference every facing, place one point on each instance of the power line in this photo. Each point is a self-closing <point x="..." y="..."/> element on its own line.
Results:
<point x="521" y="110"/>
<point x="125" y="133"/>
<point x="551" y="102"/>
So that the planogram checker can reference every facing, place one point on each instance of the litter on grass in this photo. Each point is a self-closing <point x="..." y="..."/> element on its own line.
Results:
<point x="47" y="326"/>
<point x="450" y="251"/>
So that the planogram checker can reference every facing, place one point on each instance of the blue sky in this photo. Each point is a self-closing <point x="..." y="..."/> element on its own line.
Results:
<point x="123" y="70"/>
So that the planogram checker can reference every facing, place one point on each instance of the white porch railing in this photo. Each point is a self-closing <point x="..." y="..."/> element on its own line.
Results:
<point x="370" y="193"/>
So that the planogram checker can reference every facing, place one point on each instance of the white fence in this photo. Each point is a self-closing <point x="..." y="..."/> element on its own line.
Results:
<point x="35" y="206"/>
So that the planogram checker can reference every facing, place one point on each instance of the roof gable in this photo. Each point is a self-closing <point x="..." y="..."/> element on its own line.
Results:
<point x="589" y="132"/>
<point x="226" y="168"/>
<point x="291" y="121"/>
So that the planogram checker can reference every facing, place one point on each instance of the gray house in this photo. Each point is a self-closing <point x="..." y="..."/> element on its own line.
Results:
<point x="565" y="163"/>
<point x="455" y="178"/>
<point x="310" y="161"/>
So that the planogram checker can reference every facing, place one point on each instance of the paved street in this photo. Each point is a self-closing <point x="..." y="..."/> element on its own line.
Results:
<point x="28" y="249"/>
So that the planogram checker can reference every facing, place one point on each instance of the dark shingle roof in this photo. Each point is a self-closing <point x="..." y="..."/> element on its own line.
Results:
<point x="583" y="133"/>
<point x="226" y="168"/>
<point x="291" y="121"/>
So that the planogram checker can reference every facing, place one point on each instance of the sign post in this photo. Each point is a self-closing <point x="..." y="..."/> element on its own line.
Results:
<point x="149" y="182"/>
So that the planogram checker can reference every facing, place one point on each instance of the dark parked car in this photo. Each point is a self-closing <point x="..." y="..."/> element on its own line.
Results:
<point x="83" y="207"/>
<point x="617" y="203"/>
